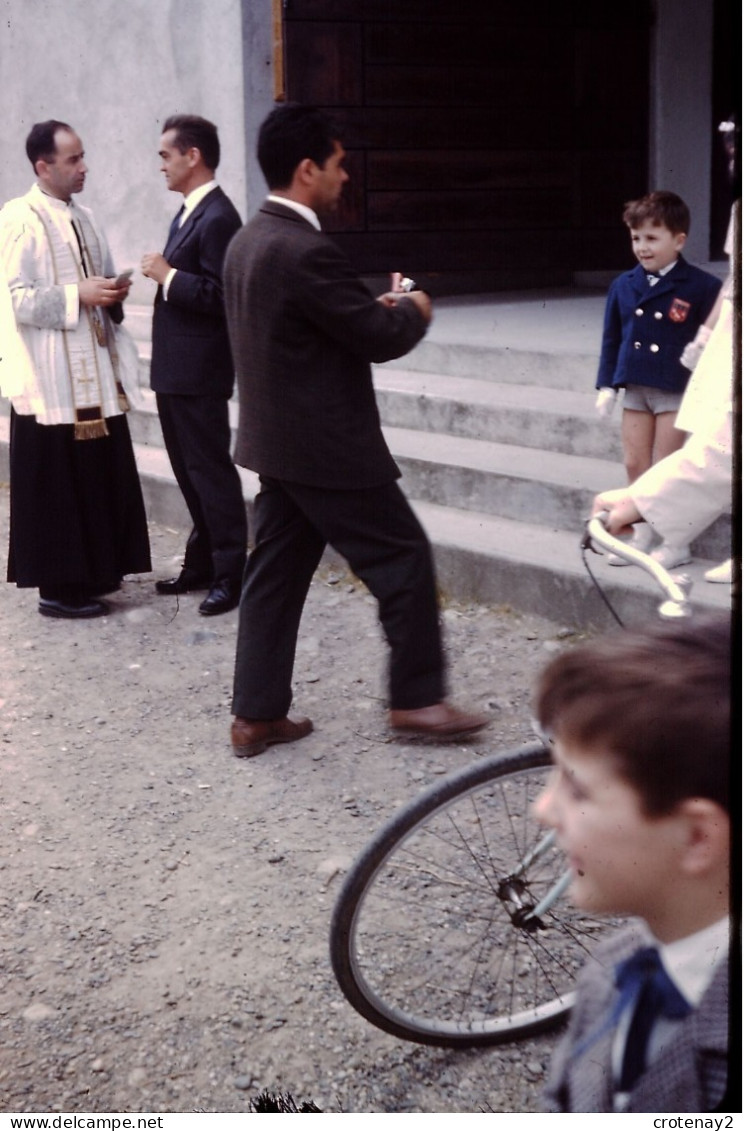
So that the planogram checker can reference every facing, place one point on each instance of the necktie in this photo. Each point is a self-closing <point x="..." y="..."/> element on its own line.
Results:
<point x="643" y="977"/>
<point x="652" y="278"/>
<point x="175" y="222"/>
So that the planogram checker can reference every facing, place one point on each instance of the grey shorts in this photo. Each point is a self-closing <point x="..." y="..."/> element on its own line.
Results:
<point x="644" y="398"/>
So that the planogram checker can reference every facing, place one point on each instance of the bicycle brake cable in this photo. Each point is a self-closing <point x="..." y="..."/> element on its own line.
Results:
<point x="584" y="545"/>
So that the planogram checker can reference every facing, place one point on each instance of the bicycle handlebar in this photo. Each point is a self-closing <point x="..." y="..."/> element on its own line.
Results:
<point x="677" y="603"/>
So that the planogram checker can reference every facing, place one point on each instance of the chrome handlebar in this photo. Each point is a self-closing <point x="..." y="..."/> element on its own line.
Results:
<point x="675" y="589"/>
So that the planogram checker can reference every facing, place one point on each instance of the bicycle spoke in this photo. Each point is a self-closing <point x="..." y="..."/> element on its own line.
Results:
<point x="438" y="938"/>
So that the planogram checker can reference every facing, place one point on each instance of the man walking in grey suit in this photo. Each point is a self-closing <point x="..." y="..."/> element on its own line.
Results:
<point x="303" y="330"/>
<point x="192" y="372"/>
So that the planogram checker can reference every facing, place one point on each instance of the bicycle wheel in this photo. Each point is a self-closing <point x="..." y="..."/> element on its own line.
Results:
<point x="434" y="937"/>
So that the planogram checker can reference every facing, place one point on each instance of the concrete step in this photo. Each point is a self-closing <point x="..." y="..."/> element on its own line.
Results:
<point x="529" y="416"/>
<point x="480" y="557"/>
<point x="547" y="338"/>
<point x="519" y="483"/>
<point x="524" y="484"/>
<point x="498" y="561"/>
<point x="489" y="559"/>
<point x="481" y="475"/>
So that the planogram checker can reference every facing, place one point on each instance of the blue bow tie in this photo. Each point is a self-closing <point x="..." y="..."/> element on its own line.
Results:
<point x="643" y="980"/>
<point x="643" y="968"/>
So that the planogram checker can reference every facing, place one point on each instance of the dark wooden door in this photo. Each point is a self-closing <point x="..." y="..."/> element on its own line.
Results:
<point x="490" y="143"/>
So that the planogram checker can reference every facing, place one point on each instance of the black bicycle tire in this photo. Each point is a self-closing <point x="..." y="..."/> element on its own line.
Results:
<point x="361" y="877"/>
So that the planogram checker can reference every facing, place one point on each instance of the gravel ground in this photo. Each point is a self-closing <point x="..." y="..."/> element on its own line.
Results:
<point x="165" y="906"/>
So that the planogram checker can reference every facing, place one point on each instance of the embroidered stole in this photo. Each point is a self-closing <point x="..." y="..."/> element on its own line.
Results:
<point x="94" y="329"/>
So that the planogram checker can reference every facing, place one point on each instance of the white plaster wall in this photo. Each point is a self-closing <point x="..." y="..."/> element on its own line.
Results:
<point x="115" y="69"/>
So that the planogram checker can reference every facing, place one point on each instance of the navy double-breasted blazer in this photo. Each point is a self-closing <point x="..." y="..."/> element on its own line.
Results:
<point x="646" y="327"/>
<point x="190" y="344"/>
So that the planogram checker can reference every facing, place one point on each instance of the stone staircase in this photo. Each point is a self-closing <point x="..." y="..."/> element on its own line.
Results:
<point x="491" y="420"/>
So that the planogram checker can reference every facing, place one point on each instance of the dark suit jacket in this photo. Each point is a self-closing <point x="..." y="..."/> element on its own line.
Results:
<point x="304" y="329"/>
<point x="646" y="328"/>
<point x="190" y="346"/>
<point x="689" y="1075"/>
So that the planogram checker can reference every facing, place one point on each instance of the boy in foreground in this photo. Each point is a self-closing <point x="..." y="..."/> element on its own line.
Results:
<point x="639" y="724"/>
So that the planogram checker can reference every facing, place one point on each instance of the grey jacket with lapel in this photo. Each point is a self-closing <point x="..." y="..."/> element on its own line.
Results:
<point x="690" y="1075"/>
<point x="304" y="330"/>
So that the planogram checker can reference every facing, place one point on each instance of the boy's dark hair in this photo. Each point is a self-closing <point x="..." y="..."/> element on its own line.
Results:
<point x="193" y="132"/>
<point x="665" y="209"/>
<point x="658" y="699"/>
<point x="40" y="143"/>
<point x="290" y="134"/>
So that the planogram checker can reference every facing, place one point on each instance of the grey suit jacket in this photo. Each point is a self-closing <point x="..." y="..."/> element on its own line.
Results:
<point x="304" y="330"/>
<point x="690" y="1075"/>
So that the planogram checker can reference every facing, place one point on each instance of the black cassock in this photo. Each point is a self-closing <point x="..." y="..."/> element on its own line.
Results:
<point x="77" y="517"/>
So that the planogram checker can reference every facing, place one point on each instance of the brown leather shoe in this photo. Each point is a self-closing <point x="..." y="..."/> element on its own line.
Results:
<point x="441" y="720"/>
<point x="252" y="736"/>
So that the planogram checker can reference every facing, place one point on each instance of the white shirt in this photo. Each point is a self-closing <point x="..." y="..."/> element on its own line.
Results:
<point x="653" y="279"/>
<point x="303" y="209"/>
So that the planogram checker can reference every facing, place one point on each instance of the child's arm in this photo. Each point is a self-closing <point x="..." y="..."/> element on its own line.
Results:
<point x="693" y="351"/>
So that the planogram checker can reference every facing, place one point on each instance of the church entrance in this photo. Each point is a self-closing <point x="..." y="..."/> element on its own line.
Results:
<point x="491" y="144"/>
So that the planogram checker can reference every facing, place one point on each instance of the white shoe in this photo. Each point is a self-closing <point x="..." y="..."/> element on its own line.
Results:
<point x="722" y="574"/>
<point x="671" y="556"/>
<point x="642" y="538"/>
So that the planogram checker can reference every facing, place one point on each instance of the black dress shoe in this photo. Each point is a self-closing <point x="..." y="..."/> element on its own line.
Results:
<point x="184" y="583"/>
<point x="222" y="597"/>
<point x="72" y="608"/>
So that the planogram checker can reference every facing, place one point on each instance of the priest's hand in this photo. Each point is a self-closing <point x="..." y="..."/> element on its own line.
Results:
<point x="155" y="266"/>
<point x="99" y="291"/>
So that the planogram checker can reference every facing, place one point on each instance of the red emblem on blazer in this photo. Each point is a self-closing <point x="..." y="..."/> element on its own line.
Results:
<point x="679" y="310"/>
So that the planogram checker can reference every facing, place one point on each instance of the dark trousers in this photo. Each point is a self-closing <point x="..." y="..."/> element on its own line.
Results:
<point x="196" y="431"/>
<point x="380" y="537"/>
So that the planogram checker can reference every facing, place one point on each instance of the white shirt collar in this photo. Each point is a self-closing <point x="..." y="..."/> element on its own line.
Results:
<point x="304" y="211"/>
<point x="665" y="270"/>
<point x="63" y="206"/>
<point x="691" y="962"/>
<point x="194" y="197"/>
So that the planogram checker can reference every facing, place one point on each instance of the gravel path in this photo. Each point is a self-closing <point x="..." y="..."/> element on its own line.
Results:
<point x="165" y="906"/>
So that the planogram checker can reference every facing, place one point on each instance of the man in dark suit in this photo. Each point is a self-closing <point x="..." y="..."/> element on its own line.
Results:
<point x="303" y="330"/>
<point x="192" y="371"/>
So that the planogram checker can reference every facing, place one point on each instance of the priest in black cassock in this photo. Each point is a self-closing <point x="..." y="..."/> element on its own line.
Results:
<point x="77" y="518"/>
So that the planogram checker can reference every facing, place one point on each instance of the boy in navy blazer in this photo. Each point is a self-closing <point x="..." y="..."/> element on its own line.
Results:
<point x="639" y="724"/>
<point x="652" y="313"/>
